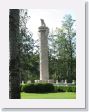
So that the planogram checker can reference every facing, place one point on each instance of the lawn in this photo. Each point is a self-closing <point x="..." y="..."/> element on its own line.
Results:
<point x="61" y="95"/>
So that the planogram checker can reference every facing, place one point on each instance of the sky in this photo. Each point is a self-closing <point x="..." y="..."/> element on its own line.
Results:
<point x="52" y="18"/>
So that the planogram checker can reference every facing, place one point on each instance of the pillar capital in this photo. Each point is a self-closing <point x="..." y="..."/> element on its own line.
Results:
<point x="43" y="28"/>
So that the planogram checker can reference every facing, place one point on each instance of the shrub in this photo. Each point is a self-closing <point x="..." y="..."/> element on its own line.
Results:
<point x="38" y="88"/>
<point x="66" y="88"/>
<point x="71" y="89"/>
<point x="28" y="88"/>
<point x="49" y="87"/>
<point x="46" y="88"/>
<point x="61" y="89"/>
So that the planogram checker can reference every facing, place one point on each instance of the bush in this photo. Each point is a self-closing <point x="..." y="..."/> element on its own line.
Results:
<point x="28" y="88"/>
<point x="61" y="89"/>
<point x="71" y="89"/>
<point x="38" y="88"/>
<point x="46" y="88"/>
<point x="66" y="88"/>
<point x="49" y="87"/>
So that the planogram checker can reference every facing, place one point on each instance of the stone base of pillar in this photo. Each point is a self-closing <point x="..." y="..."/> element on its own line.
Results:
<point x="50" y="81"/>
<point x="44" y="81"/>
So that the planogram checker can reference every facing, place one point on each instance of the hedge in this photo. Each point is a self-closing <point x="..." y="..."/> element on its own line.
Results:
<point x="38" y="88"/>
<point x="46" y="88"/>
<point x="66" y="89"/>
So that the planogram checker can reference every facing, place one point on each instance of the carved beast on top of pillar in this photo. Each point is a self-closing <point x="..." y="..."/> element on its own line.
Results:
<point x="43" y="23"/>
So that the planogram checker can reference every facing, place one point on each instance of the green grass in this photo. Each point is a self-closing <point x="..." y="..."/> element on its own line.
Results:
<point x="64" y="95"/>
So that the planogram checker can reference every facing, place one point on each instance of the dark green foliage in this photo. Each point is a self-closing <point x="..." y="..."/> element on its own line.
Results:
<point x="38" y="88"/>
<point x="46" y="88"/>
<point x="49" y="87"/>
<point x="28" y="88"/>
<point x="61" y="89"/>
<point x="66" y="88"/>
<point x="71" y="89"/>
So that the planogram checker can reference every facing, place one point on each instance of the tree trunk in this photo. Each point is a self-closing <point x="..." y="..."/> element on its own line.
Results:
<point x="14" y="79"/>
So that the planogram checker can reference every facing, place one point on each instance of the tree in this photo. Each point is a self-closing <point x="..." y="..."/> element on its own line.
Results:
<point x="52" y="55"/>
<point x="62" y="54"/>
<point x="28" y="56"/>
<point x="70" y="34"/>
<point x="14" y="79"/>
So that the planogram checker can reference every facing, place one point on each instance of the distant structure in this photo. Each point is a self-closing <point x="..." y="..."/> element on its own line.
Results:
<point x="43" y="35"/>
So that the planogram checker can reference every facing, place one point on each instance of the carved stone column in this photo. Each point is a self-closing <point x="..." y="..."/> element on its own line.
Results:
<point x="43" y="35"/>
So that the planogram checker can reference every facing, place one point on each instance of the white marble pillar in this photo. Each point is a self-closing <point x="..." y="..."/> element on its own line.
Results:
<point x="43" y="38"/>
